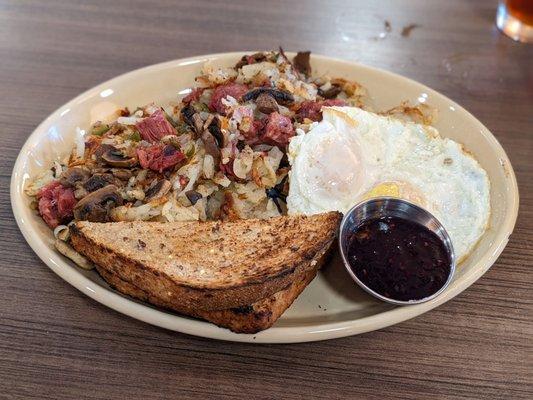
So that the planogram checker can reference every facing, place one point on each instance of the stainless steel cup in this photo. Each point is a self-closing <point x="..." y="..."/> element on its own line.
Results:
<point x="392" y="207"/>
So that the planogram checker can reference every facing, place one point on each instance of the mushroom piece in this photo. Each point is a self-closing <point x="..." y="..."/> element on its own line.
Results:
<point x="198" y="123"/>
<point x="281" y="96"/>
<point x="331" y="93"/>
<point x="73" y="176"/>
<point x="97" y="181"/>
<point x="122" y="174"/>
<point x="277" y="193"/>
<point x="95" y="206"/>
<point x="116" y="158"/>
<point x="193" y="196"/>
<point x="266" y="103"/>
<point x="211" y="146"/>
<point x="158" y="190"/>
<point x="192" y="118"/>
<point x="215" y="130"/>
<point x="80" y="193"/>
<point x="187" y="112"/>
<point x="302" y="62"/>
<point x="101" y="149"/>
<point x="250" y="59"/>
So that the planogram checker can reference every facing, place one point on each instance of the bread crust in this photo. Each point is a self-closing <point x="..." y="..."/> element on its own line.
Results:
<point x="251" y="280"/>
<point x="249" y="319"/>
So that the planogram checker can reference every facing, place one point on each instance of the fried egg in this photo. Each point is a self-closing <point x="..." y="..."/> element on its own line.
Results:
<point x="353" y="155"/>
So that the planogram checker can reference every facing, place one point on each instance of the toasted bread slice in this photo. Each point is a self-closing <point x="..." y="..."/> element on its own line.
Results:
<point x="253" y="318"/>
<point x="193" y="267"/>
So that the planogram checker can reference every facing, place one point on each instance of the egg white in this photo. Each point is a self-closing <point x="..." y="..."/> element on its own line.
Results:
<point x="353" y="154"/>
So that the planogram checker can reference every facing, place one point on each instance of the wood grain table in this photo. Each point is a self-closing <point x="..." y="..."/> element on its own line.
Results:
<point x="55" y="343"/>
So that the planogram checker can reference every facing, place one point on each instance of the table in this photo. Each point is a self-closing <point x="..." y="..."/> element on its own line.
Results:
<point x="55" y="343"/>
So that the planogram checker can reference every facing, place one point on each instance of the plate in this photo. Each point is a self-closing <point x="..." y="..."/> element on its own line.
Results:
<point x="332" y="305"/>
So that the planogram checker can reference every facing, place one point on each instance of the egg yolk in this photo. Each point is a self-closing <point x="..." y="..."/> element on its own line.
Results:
<point x="383" y="189"/>
<point x="401" y="190"/>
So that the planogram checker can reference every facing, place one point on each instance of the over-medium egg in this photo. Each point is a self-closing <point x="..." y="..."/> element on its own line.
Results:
<point x="353" y="155"/>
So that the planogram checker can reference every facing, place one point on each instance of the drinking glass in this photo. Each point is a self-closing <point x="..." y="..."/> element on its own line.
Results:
<point x="515" y="19"/>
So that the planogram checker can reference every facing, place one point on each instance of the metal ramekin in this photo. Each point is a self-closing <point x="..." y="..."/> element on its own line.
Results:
<point x="392" y="207"/>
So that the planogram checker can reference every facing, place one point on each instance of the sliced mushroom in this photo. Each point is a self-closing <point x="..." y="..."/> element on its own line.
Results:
<point x="331" y="93"/>
<point x="158" y="190"/>
<point x="192" y="118"/>
<point x="254" y="58"/>
<point x="281" y="96"/>
<point x="115" y="158"/>
<point x="211" y="146"/>
<point x="222" y="137"/>
<point x="302" y="62"/>
<point x="193" y="196"/>
<point x="73" y="176"/>
<point x="214" y="128"/>
<point x="210" y="118"/>
<point x="100" y="170"/>
<point x="198" y="123"/>
<point x="212" y="143"/>
<point x="97" y="181"/>
<point x="266" y="103"/>
<point x="101" y="149"/>
<point x="187" y="112"/>
<point x="80" y="193"/>
<point x="122" y="174"/>
<point x="277" y="193"/>
<point x="95" y="206"/>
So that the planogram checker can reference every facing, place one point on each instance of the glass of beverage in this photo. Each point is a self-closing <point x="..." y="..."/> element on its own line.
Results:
<point x="515" y="19"/>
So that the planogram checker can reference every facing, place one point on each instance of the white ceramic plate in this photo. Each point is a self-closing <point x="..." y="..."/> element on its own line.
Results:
<point x="332" y="306"/>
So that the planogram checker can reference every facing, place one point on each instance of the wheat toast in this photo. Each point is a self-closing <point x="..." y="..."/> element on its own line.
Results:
<point x="194" y="267"/>
<point x="252" y="318"/>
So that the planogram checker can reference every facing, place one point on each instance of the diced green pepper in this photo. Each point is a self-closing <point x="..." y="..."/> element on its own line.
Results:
<point x="99" y="130"/>
<point x="183" y="127"/>
<point x="170" y="119"/>
<point x="135" y="136"/>
<point x="189" y="151"/>
<point x="199" y="107"/>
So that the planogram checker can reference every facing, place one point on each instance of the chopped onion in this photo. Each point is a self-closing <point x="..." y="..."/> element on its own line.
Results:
<point x="69" y="252"/>
<point x="58" y="230"/>
<point x="209" y="166"/>
<point x="80" y="142"/>
<point x="128" y="120"/>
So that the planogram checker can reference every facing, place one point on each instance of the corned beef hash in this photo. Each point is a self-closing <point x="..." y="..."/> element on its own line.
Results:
<point x="220" y="153"/>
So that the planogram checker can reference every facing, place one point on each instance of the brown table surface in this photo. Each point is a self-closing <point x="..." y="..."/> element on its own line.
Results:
<point x="56" y="343"/>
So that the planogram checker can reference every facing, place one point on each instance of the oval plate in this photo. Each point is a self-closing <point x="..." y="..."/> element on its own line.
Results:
<point x="331" y="306"/>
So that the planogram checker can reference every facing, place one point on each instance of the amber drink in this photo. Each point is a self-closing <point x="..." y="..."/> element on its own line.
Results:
<point x="515" y="19"/>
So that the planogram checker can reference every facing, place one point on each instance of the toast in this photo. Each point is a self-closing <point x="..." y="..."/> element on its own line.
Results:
<point x="249" y="319"/>
<point x="193" y="267"/>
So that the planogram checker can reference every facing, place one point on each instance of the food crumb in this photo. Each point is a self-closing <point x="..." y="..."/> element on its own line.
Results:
<point x="406" y="30"/>
<point x="387" y="28"/>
